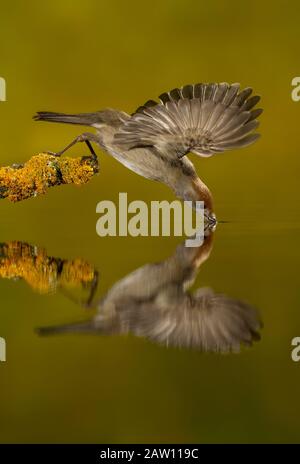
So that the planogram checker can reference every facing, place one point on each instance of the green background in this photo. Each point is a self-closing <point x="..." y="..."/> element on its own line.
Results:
<point x="76" y="56"/>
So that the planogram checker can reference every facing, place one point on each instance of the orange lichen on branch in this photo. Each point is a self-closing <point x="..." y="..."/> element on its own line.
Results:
<point x="44" y="274"/>
<point x="76" y="271"/>
<point x="43" y="171"/>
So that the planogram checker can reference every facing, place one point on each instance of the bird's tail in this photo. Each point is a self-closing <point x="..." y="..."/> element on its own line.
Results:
<point x="84" y="119"/>
<point x="76" y="327"/>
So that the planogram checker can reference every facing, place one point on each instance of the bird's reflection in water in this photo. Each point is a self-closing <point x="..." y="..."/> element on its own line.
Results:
<point x="151" y="302"/>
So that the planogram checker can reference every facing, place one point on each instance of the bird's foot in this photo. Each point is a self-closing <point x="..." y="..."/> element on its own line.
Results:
<point x="52" y="153"/>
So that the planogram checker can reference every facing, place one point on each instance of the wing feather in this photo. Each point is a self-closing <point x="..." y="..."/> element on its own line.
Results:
<point x="205" y="320"/>
<point x="201" y="118"/>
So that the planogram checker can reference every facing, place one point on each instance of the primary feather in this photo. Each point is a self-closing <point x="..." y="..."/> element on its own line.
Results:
<point x="203" y="119"/>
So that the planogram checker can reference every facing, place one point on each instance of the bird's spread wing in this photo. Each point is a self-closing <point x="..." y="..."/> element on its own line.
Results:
<point x="203" y="119"/>
<point x="224" y="322"/>
<point x="206" y="320"/>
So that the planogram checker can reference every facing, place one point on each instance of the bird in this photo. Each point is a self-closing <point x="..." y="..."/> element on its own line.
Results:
<point x="153" y="302"/>
<point x="154" y="141"/>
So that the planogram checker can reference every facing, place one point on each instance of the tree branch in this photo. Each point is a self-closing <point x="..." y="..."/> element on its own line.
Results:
<point x="42" y="171"/>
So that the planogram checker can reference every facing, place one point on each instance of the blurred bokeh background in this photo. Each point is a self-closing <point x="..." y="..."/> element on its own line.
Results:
<point x="76" y="56"/>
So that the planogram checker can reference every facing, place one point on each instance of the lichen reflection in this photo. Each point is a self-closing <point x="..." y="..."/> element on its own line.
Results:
<point x="43" y="273"/>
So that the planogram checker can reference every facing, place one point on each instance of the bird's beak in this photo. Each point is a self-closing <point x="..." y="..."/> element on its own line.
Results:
<point x="211" y="220"/>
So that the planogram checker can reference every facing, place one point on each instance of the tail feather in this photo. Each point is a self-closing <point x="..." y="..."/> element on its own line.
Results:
<point x="76" y="327"/>
<point x="85" y="119"/>
<point x="107" y="116"/>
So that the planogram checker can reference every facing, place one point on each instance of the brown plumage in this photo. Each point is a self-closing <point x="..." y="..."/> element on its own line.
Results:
<point x="154" y="302"/>
<point x="204" y="119"/>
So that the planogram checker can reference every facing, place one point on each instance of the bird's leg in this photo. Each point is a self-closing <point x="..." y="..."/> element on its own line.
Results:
<point x="85" y="137"/>
<point x="87" y="303"/>
<point x="94" y="286"/>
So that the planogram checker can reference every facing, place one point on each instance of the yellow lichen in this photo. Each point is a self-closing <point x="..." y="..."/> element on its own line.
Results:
<point x="43" y="171"/>
<point x="74" y="171"/>
<point x="76" y="271"/>
<point x="43" y="273"/>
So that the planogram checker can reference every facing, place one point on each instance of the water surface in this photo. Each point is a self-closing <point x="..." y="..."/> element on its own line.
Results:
<point x="130" y="357"/>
